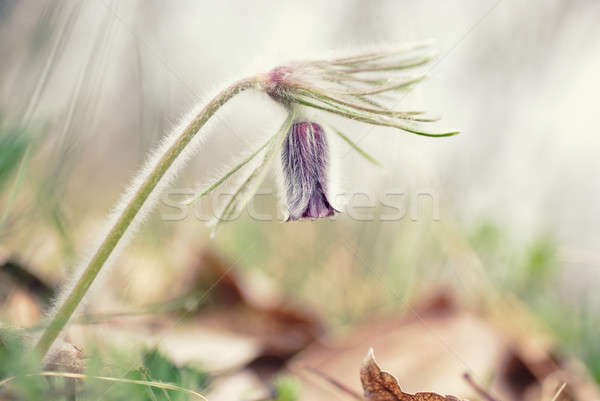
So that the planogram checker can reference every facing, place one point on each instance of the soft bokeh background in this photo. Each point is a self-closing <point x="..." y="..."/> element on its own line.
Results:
<point x="87" y="88"/>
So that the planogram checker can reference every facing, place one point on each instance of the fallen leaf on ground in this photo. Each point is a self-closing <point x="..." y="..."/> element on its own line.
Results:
<point x="432" y="344"/>
<point x="383" y="386"/>
<point x="247" y="306"/>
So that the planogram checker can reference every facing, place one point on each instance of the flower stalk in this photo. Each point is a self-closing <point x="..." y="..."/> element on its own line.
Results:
<point x="361" y="88"/>
<point x="131" y="210"/>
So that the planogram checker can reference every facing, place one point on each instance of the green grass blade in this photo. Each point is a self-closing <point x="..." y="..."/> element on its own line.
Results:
<point x="357" y="148"/>
<point x="154" y="384"/>
<point x="15" y="188"/>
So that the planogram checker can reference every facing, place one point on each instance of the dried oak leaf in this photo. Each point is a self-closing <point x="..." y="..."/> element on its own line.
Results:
<point x="382" y="386"/>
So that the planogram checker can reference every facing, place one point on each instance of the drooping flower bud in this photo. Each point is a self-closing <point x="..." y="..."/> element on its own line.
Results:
<point x="362" y="88"/>
<point x="304" y="160"/>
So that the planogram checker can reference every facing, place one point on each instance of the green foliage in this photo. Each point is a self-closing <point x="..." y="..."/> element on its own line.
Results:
<point x="286" y="389"/>
<point x="16" y="361"/>
<point x="15" y="147"/>
<point x="529" y="270"/>
<point x="526" y="269"/>
<point x="156" y="367"/>
<point x="576" y="327"/>
<point x="13" y="144"/>
<point x="540" y="259"/>
<point x="486" y="237"/>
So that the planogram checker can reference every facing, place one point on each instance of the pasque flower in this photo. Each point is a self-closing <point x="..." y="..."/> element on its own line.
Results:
<point x="365" y="88"/>
<point x="362" y="88"/>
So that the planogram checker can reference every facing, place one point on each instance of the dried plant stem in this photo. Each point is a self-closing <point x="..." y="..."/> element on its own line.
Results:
<point x="334" y="382"/>
<point x="478" y="389"/>
<point x="559" y="392"/>
<point x="130" y="211"/>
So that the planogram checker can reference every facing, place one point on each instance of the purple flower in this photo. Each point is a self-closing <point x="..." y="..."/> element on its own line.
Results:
<point x="361" y="88"/>
<point x="304" y="159"/>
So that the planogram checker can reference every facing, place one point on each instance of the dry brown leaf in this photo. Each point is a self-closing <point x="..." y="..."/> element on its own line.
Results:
<point x="434" y="343"/>
<point x="382" y="386"/>
<point x="234" y="304"/>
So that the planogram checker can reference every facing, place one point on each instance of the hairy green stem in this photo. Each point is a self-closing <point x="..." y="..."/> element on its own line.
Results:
<point x="126" y="217"/>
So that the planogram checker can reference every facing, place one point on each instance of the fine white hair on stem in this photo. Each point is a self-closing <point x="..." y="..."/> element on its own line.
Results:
<point x="338" y="87"/>
<point x="149" y="204"/>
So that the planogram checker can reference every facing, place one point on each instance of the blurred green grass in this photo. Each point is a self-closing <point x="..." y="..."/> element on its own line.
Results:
<point x="153" y="367"/>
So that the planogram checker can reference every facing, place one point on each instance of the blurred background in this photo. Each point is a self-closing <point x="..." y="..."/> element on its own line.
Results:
<point x="507" y="234"/>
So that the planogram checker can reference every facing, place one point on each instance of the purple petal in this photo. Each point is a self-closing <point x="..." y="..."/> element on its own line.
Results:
<point x="304" y="159"/>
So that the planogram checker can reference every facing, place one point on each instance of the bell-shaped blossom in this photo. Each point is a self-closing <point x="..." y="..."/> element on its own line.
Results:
<point x="305" y="161"/>
<point x="366" y="88"/>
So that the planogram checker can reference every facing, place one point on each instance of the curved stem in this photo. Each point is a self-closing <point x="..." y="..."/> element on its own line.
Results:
<point x="126" y="217"/>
